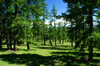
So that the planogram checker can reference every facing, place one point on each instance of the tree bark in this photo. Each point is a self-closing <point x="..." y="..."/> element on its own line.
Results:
<point x="59" y="41"/>
<point x="15" y="44"/>
<point x="91" y="30"/>
<point x="1" y="29"/>
<point x="55" y="33"/>
<point x="15" y="30"/>
<point x="50" y="39"/>
<point x="71" y="36"/>
<point x="44" y="29"/>
<point x="76" y="44"/>
<point x="10" y="39"/>
<point x="28" y="47"/>
<point x="0" y="39"/>
<point x="6" y="34"/>
<point x="63" y="41"/>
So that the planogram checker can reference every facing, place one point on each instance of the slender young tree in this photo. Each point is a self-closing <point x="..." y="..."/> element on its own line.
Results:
<point x="45" y="16"/>
<point x="59" y="33"/>
<point x="63" y="34"/>
<point x="50" y="32"/>
<point x="54" y="13"/>
<point x="0" y="36"/>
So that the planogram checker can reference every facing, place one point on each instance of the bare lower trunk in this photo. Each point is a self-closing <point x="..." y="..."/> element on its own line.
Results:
<point x="28" y="48"/>
<point x="7" y="41"/>
<point x="10" y="44"/>
<point x="76" y="43"/>
<point x="15" y="41"/>
<point x="44" y="33"/>
<point x="91" y="30"/>
<point x="90" y="53"/>
<point x="10" y="39"/>
<point x="72" y="43"/>
<point x="15" y="44"/>
<point x="0" y="40"/>
<point x="23" y="43"/>
<point x="55" y="41"/>
<point x="6" y="34"/>
<point x="71" y="35"/>
<point x="1" y="8"/>
<point x="50" y="40"/>
<point x="37" y="39"/>
<point x="59" y="41"/>
<point x="63" y="41"/>
<point x="43" y="28"/>
<point x="15" y="30"/>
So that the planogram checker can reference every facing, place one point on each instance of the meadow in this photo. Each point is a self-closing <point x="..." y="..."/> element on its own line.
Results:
<point x="46" y="55"/>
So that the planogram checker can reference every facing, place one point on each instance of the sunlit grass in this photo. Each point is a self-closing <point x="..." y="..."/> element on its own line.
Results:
<point x="45" y="55"/>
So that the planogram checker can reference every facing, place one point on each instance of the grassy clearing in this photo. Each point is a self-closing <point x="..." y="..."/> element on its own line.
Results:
<point x="40" y="55"/>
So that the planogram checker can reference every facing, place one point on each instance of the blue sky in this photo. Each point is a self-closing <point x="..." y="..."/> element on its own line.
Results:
<point x="59" y="5"/>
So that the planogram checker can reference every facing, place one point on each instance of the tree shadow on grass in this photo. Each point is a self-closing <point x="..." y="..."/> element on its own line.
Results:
<point x="28" y="59"/>
<point x="55" y="48"/>
<point x="78" y="58"/>
<point x="38" y="60"/>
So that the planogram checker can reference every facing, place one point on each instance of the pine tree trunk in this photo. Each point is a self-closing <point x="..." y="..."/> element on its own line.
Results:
<point x="50" y="40"/>
<point x="63" y="37"/>
<point x="7" y="40"/>
<point x="55" y="33"/>
<point x="28" y="47"/>
<point x="23" y="43"/>
<point x="44" y="33"/>
<point x="15" y="44"/>
<point x="1" y="29"/>
<point x="83" y="35"/>
<point x="10" y="39"/>
<point x="6" y="34"/>
<point x="72" y="43"/>
<point x="15" y="41"/>
<point x="10" y="44"/>
<point x="0" y="39"/>
<point x="43" y="28"/>
<point x="63" y="41"/>
<point x="15" y="30"/>
<point x="59" y="41"/>
<point x="76" y="44"/>
<point x="55" y="41"/>
<point x="91" y="29"/>
<point x="71" y="36"/>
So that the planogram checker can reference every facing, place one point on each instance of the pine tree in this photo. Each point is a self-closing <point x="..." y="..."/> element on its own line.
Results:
<point x="0" y="36"/>
<point x="86" y="8"/>
<point x="59" y="33"/>
<point x="50" y="32"/>
<point x="45" y="16"/>
<point x="54" y="13"/>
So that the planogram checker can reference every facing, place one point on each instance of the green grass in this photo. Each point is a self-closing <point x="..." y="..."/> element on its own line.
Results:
<point x="40" y="55"/>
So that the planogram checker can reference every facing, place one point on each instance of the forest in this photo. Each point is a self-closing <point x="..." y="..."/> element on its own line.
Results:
<point x="26" y="39"/>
